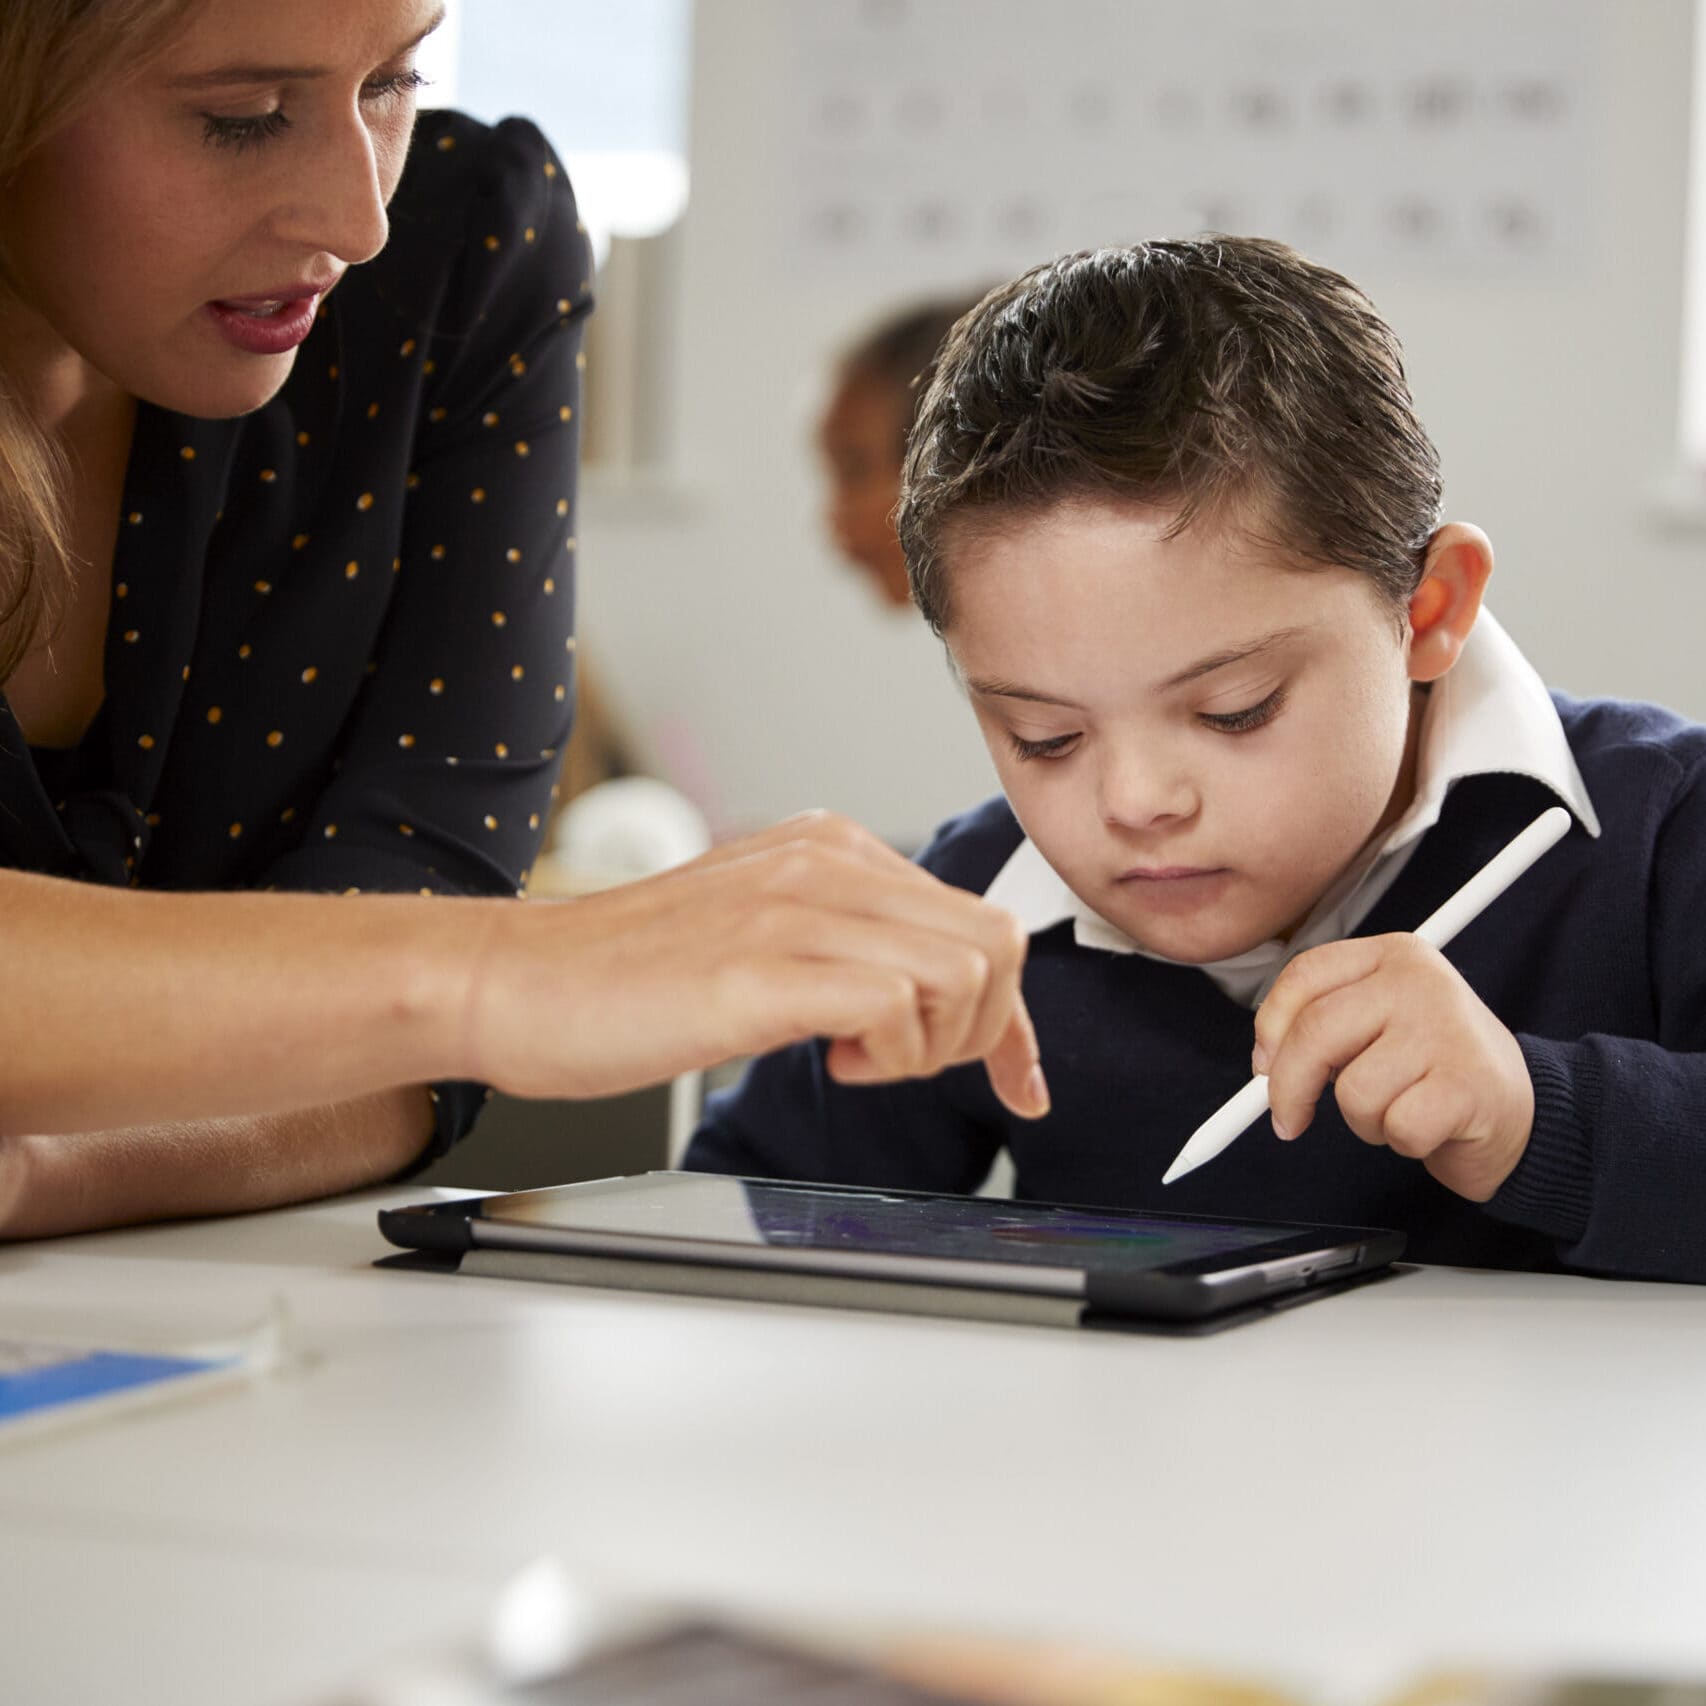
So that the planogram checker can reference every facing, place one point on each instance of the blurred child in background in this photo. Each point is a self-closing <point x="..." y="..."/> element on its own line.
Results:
<point x="862" y="437"/>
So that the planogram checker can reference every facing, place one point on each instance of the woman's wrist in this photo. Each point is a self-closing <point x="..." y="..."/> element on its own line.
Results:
<point x="401" y="988"/>
<point x="442" y="977"/>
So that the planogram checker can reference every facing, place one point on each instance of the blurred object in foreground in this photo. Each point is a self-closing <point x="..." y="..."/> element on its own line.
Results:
<point x="617" y="832"/>
<point x="552" y="1643"/>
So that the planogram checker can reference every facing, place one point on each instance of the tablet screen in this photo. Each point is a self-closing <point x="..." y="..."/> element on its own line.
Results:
<point x="747" y="1211"/>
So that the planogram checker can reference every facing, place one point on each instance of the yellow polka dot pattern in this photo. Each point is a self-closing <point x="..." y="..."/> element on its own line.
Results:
<point x="332" y="685"/>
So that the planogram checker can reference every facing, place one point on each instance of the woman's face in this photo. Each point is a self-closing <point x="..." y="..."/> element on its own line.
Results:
<point x="179" y="235"/>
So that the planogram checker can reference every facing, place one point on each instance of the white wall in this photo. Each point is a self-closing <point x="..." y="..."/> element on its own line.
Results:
<point x="725" y="626"/>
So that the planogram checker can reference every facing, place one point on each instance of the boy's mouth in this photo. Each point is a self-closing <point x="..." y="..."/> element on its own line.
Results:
<point x="1170" y="873"/>
<point x="1174" y="890"/>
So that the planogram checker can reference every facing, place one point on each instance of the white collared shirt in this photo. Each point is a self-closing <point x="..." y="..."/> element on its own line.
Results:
<point x="1490" y="713"/>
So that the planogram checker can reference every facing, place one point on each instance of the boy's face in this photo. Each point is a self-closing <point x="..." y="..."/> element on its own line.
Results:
<point x="1197" y="736"/>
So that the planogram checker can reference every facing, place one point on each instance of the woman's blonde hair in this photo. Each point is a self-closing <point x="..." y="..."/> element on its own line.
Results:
<point x="53" y="54"/>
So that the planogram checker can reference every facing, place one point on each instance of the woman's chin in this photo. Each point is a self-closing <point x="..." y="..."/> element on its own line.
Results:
<point x="226" y="390"/>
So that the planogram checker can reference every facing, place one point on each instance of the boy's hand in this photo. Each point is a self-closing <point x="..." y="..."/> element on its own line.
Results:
<point x="1417" y="1061"/>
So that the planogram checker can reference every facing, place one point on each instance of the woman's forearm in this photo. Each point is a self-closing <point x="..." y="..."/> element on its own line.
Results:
<point x="78" y="1182"/>
<point x="124" y="1009"/>
<point x="127" y="1009"/>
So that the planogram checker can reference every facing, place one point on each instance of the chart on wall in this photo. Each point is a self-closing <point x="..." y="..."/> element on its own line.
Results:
<point x="935" y="141"/>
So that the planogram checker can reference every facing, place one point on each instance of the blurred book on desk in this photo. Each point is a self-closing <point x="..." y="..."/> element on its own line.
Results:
<point x="549" y="1642"/>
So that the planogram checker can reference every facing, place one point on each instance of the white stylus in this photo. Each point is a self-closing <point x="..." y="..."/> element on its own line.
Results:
<point x="1227" y="1122"/>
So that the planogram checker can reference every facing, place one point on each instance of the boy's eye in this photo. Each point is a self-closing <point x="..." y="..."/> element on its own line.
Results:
<point x="1056" y="747"/>
<point x="1251" y="717"/>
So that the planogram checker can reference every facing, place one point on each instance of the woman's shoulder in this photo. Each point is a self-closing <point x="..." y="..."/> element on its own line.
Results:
<point x="457" y="163"/>
<point x="479" y="208"/>
<point x="486" y="253"/>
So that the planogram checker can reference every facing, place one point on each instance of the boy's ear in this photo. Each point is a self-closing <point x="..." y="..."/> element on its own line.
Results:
<point x="1444" y="606"/>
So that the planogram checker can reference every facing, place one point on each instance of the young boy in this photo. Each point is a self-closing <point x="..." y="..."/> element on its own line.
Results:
<point x="1172" y="512"/>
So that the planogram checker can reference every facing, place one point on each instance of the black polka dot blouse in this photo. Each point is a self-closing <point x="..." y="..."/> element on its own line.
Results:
<point x="340" y="653"/>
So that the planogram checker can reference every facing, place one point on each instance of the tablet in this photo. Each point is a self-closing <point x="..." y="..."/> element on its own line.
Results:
<point x="916" y="1251"/>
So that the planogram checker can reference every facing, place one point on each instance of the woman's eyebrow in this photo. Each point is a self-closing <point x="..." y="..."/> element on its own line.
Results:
<point x="228" y="74"/>
<point x="1234" y="654"/>
<point x="225" y="74"/>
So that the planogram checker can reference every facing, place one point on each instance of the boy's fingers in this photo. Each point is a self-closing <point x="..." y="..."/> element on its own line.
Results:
<point x="1423" y="1116"/>
<point x="1325" y="1037"/>
<point x="1370" y="1087"/>
<point x="1309" y="977"/>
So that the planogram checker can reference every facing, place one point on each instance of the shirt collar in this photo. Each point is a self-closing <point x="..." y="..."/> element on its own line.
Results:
<point x="1489" y="714"/>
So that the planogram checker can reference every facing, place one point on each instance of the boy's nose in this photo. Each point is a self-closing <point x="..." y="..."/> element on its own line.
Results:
<point x="1138" y="790"/>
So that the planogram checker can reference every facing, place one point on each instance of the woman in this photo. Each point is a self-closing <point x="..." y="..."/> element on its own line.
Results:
<point x="286" y="517"/>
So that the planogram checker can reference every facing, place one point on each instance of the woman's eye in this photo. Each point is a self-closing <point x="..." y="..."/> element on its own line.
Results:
<point x="1056" y="747"/>
<point x="249" y="130"/>
<point x="1251" y="717"/>
<point x="400" y="83"/>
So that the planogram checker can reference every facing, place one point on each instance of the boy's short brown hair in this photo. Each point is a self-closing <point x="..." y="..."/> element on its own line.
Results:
<point x="1190" y="374"/>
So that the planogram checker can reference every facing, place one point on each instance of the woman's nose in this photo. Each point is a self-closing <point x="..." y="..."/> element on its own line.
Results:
<point x="338" y="204"/>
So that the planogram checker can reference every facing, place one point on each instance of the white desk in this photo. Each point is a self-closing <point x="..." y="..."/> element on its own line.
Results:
<point x="1487" y="1466"/>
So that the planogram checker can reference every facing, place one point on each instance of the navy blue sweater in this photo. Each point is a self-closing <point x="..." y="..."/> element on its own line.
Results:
<point x="1596" y="960"/>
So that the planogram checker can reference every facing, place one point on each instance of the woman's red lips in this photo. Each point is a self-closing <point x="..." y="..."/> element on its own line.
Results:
<point x="264" y="325"/>
<point x="295" y="290"/>
<point x="263" y="304"/>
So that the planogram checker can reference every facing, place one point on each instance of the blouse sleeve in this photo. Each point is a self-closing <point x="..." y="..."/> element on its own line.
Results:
<point x="444" y="777"/>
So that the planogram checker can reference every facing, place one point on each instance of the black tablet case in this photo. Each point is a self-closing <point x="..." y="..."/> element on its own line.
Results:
<point x="829" y="1291"/>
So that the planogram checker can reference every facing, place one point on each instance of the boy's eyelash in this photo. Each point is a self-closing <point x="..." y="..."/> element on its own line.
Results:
<point x="1251" y="717"/>
<point x="1227" y="722"/>
<point x="250" y="130"/>
<point x="1053" y="748"/>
